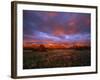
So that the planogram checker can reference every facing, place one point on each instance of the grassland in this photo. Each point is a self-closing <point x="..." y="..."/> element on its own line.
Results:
<point x="55" y="58"/>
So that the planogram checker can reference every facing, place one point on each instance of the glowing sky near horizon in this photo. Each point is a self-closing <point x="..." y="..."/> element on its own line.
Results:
<point x="42" y="26"/>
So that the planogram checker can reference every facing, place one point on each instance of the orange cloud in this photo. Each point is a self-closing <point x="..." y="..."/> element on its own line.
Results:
<point x="59" y="30"/>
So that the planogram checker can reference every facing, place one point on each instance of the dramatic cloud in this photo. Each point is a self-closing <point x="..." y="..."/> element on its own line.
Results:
<point x="44" y="26"/>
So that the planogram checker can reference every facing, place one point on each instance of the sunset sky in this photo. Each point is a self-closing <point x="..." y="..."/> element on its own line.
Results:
<point x="43" y="27"/>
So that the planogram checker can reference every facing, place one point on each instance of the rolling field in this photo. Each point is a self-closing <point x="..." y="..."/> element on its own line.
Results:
<point x="56" y="58"/>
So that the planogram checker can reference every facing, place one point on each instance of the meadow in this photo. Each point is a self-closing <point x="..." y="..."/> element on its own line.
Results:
<point x="51" y="58"/>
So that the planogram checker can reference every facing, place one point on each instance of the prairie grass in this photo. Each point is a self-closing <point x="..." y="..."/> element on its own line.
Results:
<point x="56" y="58"/>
